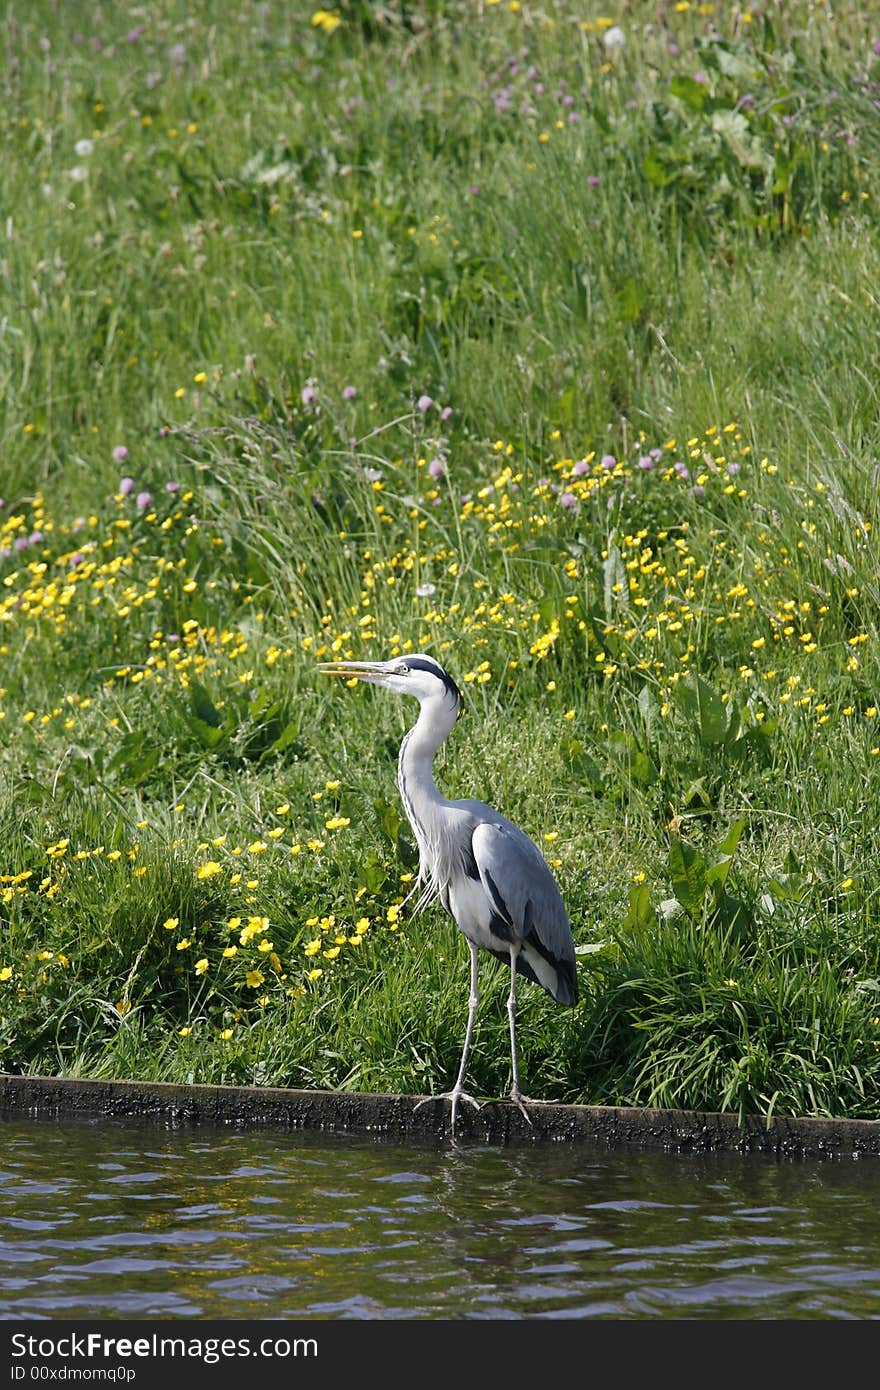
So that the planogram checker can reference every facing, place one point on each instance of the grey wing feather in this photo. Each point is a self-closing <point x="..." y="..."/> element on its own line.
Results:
<point x="526" y="896"/>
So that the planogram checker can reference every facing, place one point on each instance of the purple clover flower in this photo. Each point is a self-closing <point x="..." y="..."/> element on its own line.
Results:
<point x="144" y="500"/>
<point x="609" y="462"/>
<point x="424" y="403"/>
<point x="309" y="393"/>
<point x="172" y="486"/>
<point x="349" y="393"/>
<point x="580" y="467"/>
<point x="126" y="485"/>
<point x="437" y="467"/>
<point x="568" y="500"/>
<point x="120" y="453"/>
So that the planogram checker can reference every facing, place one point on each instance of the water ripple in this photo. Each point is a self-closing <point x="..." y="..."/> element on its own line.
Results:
<point x="121" y="1221"/>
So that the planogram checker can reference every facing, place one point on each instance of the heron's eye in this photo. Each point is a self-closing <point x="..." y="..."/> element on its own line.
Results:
<point x="403" y="670"/>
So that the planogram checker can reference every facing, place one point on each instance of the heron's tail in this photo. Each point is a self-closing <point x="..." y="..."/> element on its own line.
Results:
<point x="557" y="977"/>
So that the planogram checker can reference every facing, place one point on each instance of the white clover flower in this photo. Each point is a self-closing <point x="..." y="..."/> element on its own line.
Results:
<point x="614" y="38"/>
<point x="83" y="148"/>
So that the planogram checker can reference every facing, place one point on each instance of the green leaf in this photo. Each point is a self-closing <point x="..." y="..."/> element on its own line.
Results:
<point x="134" y="759"/>
<point x="287" y="736"/>
<point x="631" y="299"/>
<point x="389" y="818"/>
<point x="720" y="867"/>
<point x="692" y="93"/>
<point x="705" y="708"/>
<point x="207" y="734"/>
<point x="687" y="872"/>
<point x="655" y="171"/>
<point x="375" y="874"/>
<point x="615" y="583"/>
<point x="640" y="914"/>
<point x="581" y="764"/>
<point x="203" y="706"/>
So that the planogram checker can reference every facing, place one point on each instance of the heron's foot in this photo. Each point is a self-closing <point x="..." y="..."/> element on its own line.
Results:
<point x="520" y="1100"/>
<point x="455" y="1095"/>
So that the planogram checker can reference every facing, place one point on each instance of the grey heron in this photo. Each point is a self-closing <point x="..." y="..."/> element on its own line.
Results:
<point x="488" y="874"/>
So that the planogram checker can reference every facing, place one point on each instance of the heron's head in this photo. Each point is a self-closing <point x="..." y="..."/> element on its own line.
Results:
<point x="416" y="675"/>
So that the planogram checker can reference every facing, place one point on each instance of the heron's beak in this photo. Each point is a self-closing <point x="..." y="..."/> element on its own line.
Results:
<point x="354" y="670"/>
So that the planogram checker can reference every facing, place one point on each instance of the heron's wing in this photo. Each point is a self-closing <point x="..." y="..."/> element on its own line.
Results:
<point x="525" y="895"/>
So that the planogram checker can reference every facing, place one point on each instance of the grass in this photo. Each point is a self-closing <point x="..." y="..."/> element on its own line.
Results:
<point x="457" y="328"/>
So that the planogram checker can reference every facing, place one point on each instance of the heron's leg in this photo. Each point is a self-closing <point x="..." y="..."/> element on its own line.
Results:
<point x="458" y="1092"/>
<point x="515" y="1093"/>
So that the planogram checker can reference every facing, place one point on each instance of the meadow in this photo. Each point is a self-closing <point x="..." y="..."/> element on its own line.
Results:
<point x="542" y="340"/>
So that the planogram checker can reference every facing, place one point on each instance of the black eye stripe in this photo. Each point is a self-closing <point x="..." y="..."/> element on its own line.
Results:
<point x="434" y="668"/>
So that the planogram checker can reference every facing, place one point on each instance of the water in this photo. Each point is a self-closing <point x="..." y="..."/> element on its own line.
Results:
<point x="127" y="1221"/>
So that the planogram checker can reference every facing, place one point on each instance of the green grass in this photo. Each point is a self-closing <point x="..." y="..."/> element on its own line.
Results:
<point x="637" y="520"/>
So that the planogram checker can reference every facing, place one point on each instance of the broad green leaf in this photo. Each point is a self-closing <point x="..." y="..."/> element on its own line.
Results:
<point x="692" y="93"/>
<point x="287" y="736"/>
<point x="705" y="708"/>
<point x="687" y="872"/>
<point x="719" y="869"/>
<point x="655" y="171"/>
<point x="640" y="915"/>
<point x="203" y="706"/>
<point x="615" y="582"/>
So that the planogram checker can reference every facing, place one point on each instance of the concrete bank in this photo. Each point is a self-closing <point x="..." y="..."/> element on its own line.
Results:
<point x="397" y="1118"/>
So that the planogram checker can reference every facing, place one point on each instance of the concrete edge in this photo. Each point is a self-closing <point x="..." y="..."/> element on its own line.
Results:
<point x="400" y="1119"/>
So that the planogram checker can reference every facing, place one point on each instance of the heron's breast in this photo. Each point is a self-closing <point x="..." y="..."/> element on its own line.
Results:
<point x="468" y="904"/>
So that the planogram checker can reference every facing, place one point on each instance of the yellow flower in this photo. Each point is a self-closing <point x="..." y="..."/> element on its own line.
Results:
<point x="201" y="965"/>
<point x="326" y="20"/>
<point x="337" y="822"/>
<point x="230" y="951"/>
<point x="254" y="978"/>
<point x="311" y="948"/>
<point x="257" y="846"/>
<point x="6" y="973"/>
<point x="170" y="923"/>
<point x="226" y="1034"/>
<point x="184" y="945"/>
<point x="184" y="1032"/>
<point x="208" y="870"/>
<point x="315" y="974"/>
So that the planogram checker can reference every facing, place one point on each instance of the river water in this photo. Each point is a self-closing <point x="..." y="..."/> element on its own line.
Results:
<point x="125" y="1221"/>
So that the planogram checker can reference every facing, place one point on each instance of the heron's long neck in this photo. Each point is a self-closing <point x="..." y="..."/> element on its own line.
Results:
<point x="415" y="776"/>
